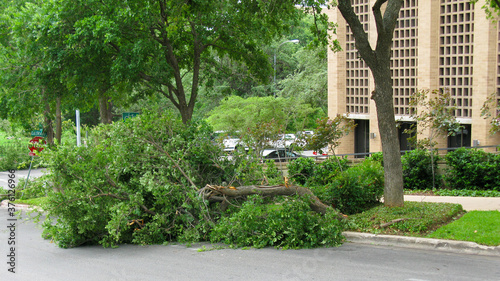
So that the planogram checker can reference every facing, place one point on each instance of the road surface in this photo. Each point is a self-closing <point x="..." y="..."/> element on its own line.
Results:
<point x="39" y="259"/>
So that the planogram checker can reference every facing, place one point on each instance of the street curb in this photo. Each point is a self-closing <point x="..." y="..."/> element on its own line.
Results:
<point x="453" y="246"/>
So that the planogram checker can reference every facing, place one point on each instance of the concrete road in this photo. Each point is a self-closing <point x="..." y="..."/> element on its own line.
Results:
<point x="38" y="259"/>
<point x="19" y="174"/>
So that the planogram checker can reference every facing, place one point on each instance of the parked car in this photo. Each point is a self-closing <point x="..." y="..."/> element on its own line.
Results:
<point x="280" y="155"/>
<point x="285" y="140"/>
<point x="229" y="141"/>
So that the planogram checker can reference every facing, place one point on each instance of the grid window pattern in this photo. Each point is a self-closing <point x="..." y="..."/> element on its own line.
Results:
<point x="498" y="72"/>
<point x="357" y="72"/>
<point x="456" y="39"/>
<point x="404" y="54"/>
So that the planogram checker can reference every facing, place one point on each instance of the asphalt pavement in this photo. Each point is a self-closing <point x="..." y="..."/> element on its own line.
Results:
<point x="35" y="258"/>
<point x="451" y="246"/>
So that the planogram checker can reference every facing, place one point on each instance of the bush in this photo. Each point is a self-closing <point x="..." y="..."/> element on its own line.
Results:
<point x="35" y="188"/>
<point x="301" y="169"/>
<point x="130" y="185"/>
<point x="418" y="171"/>
<point x="290" y="223"/>
<point x="273" y="174"/>
<point x="473" y="169"/>
<point x="356" y="189"/>
<point x="324" y="172"/>
<point x="377" y="156"/>
<point x="13" y="155"/>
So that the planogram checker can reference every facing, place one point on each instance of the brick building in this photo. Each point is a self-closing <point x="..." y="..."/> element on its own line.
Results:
<point x="438" y="44"/>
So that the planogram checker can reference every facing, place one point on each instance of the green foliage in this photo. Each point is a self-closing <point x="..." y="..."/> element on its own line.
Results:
<point x="473" y="169"/>
<point x="356" y="189"/>
<point x="414" y="218"/>
<point x="377" y="156"/>
<point x="469" y="193"/>
<point x="436" y="113"/>
<point x="328" y="133"/>
<point x="12" y="155"/>
<point x="288" y="223"/>
<point x="301" y="169"/>
<point x="130" y="184"/>
<point x="325" y="171"/>
<point x="481" y="227"/>
<point x="309" y="83"/>
<point x="239" y="114"/>
<point x="420" y="169"/>
<point x="273" y="175"/>
<point x="38" y="187"/>
<point x="491" y="110"/>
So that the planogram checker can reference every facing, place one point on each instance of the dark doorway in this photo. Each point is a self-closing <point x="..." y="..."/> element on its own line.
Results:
<point x="462" y="138"/>
<point x="404" y="143"/>
<point x="362" y="138"/>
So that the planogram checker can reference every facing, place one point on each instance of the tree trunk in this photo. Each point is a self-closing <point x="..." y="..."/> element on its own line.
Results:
<point x="48" y="121"/>
<point x="378" y="61"/>
<point x="393" y="188"/>
<point x="58" y="120"/>
<point x="105" y="108"/>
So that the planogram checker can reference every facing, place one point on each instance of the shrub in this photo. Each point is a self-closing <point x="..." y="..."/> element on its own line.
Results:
<point x="290" y="223"/>
<point x="419" y="170"/>
<point x="301" y="169"/>
<point x="35" y="188"/>
<point x="13" y="155"/>
<point x="130" y="185"/>
<point x="324" y="172"/>
<point x="272" y="173"/>
<point x="377" y="156"/>
<point x="356" y="189"/>
<point x="473" y="169"/>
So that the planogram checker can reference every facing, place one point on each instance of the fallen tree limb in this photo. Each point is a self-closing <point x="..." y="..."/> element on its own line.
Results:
<point x="215" y="193"/>
<point x="395" y="221"/>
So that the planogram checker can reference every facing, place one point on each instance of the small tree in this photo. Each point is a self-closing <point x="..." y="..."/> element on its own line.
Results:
<point x="437" y="114"/>
<point x="329" y="132"/>
<point x="491" y="110"/>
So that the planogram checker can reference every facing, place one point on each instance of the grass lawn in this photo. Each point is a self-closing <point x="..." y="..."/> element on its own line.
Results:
<point x="414" y="219"/>
<point x="32" y="201"/>
<point x="482" y="227"/>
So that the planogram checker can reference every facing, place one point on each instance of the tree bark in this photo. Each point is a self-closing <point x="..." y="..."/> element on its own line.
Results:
<point x="378" y="61"/>
<point x="215" y="193"/>
<point x="48" y="121"/>
<point x="105" y="108"/>
<point x="58" y="120"/>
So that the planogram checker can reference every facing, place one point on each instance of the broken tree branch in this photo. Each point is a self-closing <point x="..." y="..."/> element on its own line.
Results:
<point x="217" y="193"/>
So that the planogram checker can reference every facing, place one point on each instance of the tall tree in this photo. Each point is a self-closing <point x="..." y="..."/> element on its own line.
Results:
<point x="163" y="45"/>
<point x="378" y="60"/>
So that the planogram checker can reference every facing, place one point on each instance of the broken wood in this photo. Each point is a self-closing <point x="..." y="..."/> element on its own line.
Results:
<point x="215" y="193"/>
<point x="395" y="221"/>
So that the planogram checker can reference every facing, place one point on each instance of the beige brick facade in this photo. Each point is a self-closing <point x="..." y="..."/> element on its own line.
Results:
<point x="438" y="44"/>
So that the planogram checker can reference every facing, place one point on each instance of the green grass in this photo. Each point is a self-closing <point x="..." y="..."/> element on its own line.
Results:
<point x="454" y="192"/>
<point x="482" y="227"/>
<point x="33" y="201"/>
<point x="414" y="219"/>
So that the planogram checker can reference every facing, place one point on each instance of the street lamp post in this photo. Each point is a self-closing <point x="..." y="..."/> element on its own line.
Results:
<point x="295" y="41"/>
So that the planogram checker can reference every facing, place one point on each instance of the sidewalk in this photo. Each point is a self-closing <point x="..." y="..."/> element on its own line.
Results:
<point x="453" y="246"/>
<point x="468" y="203"/>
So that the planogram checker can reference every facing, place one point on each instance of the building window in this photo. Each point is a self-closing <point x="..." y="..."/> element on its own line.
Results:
<point x="362" y="138"/>
<point x="462" y="138"/>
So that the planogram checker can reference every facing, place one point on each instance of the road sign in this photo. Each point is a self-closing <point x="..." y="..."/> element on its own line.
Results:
<point x="34" y="145"/>
<point x="38" y="133"/>
<point x="126" y="115"/>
